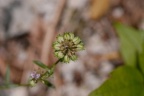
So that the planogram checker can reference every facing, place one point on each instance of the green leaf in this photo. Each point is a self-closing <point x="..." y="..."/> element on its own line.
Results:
<point x="132" y="35"/>
<point x="141" y="60"/>
<point x="128" y="52"/>
<point x="141" y="54"/>
<point x="48" y="84"/>
<point x="124" y="81"/>
<point x="40" y="64"/>
<point x="142" y="35"/>
<point x="7" y="75"/>
<point x="130" y="43"/>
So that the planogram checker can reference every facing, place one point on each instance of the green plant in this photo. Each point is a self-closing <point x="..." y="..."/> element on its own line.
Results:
<point x="65" y="48"/>
<point x="127" y="80"/>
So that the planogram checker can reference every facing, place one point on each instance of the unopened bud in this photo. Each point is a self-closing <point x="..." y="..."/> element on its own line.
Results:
<point x="66" y="36"/>
<point x="56" y="46"/>
<point x="32" y="83"/>
<point x="76" y="40"/>
<point x="60" y="38"/>
<point x="66" y="59"/>
<point x="74" y="57"/>
<point x="59" y="54"/>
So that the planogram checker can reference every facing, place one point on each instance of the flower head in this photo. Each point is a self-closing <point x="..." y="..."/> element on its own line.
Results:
<point x="66" y="46"/>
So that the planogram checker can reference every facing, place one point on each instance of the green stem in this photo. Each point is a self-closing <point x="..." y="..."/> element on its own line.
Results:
<point x="7" y="86"/>
<point x="56" y="63"/>
<point x="52" y="67"/>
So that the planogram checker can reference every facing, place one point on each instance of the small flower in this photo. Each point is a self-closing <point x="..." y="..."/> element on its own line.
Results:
<point x="66" y="46"/>
<point x="34" y="75"/>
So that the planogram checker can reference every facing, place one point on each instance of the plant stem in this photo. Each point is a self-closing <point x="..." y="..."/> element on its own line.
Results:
<point x="52" y="68"/>
<point x="56" y="63"/>
<point x="7" y="86"/>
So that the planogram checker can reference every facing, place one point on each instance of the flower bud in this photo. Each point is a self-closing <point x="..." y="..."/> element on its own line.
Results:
<point x="73" y="57"/>
<point x="56" y="46"/>
<point x="32" y="83"/>
<point x="76" y="40"/>
<point x="66" y="36"/>
<point x="71" y="36"/>
<point x="80" y="47"/>
<point x="60" y="38"/>
<point x="66" y="59"/>
<point x="59" y="54"/>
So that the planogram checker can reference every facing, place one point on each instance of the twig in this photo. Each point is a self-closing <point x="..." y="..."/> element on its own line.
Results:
<point x="50" y="33"/>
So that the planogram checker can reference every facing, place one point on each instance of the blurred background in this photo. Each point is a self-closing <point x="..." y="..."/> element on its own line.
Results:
<point x="28" y="28"/>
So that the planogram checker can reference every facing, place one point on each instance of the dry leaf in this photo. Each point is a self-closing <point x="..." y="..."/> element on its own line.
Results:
<point x="99" y="8"/>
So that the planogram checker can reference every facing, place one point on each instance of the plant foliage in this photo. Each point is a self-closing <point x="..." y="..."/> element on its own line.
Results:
<point x="127" y="80"/>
